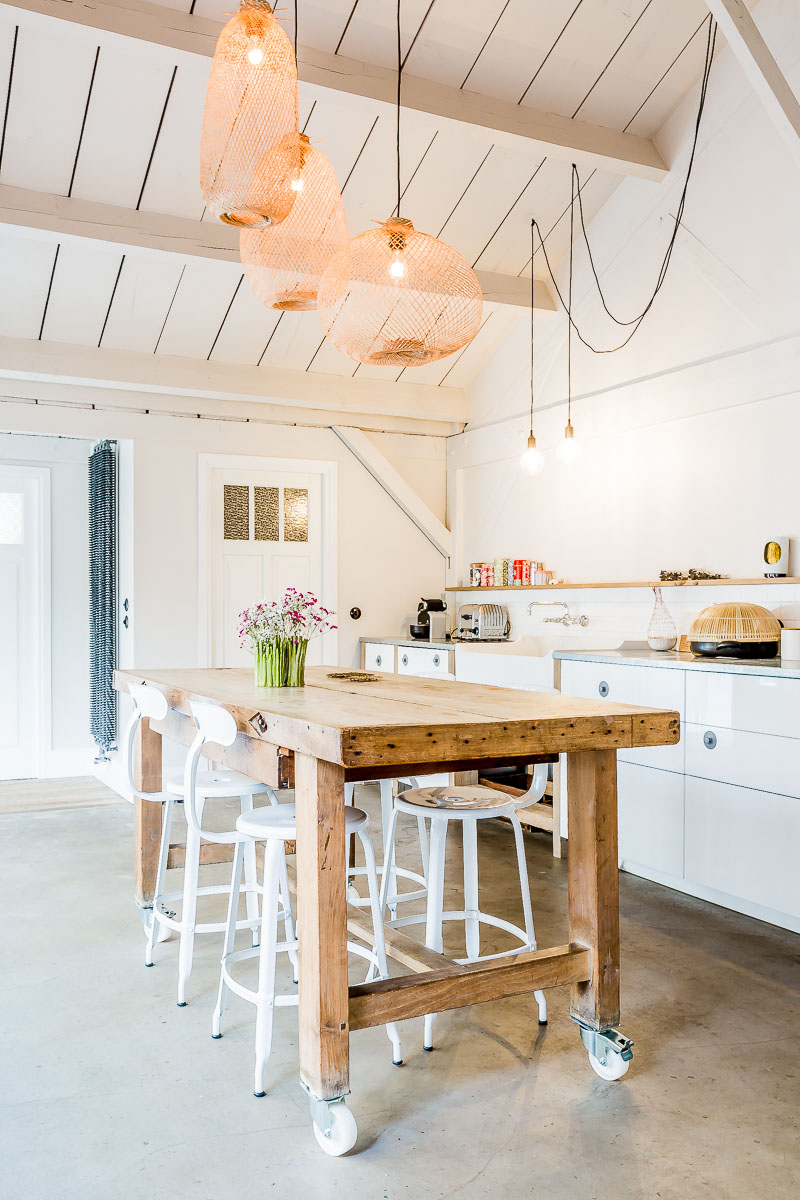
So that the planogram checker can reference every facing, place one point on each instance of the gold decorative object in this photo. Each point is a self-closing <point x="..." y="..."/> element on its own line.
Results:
<point x="235" y="512"/>
<point x="250" y="113"/>
<point x="266" y="521"/>
<point x="355" y="676"/>
<point x="398" y="297"/>
<point x="284" y="263"/>
<point x="295" y="514"/>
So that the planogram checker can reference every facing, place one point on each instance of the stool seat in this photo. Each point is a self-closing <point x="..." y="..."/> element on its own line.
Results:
<point x="280" y="821"/>
<point x="217" y="785"/>
<point x="457" y="798"/>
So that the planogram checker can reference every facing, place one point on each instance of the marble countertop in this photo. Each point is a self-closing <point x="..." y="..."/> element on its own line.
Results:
<point x="409" y="641"/>
<point x="782" y="668"/>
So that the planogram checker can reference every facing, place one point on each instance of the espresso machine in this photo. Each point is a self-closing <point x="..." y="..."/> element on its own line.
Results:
<point x="431" y="622"/>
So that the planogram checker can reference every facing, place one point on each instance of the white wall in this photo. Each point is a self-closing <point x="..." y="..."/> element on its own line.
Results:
<point x="66" y="460"/>
<point x="385" y="563"/>
<point x="690" y="434"/>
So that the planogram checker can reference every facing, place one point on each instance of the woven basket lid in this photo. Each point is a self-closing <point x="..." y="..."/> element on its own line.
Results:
<point x="735" y="623"/>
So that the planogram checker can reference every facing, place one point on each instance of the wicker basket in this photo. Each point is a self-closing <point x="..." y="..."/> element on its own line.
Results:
<point x="736" y="630"/>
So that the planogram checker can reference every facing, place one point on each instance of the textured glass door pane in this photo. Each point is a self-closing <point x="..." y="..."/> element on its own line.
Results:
<point x="295" y="514"/>
<point x="11" y="518"/>
<point x="236" y="512"/>
<point x="266" y="522"/>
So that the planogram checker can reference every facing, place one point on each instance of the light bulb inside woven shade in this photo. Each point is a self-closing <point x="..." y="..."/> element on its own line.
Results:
<point x="251" y="107"/>
<point x="285" y="263"/>
<point x="397" y="297"/>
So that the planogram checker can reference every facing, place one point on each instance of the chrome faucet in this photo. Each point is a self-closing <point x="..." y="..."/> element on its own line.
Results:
<point x="566" y="620"/>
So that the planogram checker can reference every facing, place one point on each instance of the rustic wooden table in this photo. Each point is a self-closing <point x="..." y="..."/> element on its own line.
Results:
<point x="339" y="731"/>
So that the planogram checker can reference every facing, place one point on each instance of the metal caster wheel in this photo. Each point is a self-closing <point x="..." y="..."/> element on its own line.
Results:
<point x="610" y="1052"/>
<point x="335" y="1129"/>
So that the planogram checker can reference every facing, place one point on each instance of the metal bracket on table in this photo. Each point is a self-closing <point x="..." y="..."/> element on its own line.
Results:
<point x="321" y="1109"/>
<point x="599" y="1042"/>
<point x="259" y="723"/>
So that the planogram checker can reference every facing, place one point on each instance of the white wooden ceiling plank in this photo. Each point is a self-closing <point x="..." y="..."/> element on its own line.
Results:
<point x="479" y="351"/>
<point x="330" y="361"/>
<point x="24" y="280"/>
<point x="340" y="131"/>
<point x="83" y="283"/>
<point x="371" y="35"/>
<point x="141" y="301"/>
<point x="384" y="374"/>
<point x="173" y="184"/>
<point x="683" y="76"/>
<point x="581" y="54"/>
<point x="295" y="341"/>
<point x="442" y="177"/>
<point x="653" y="45"/>
<point x="246" y="330"/>
<point x="130" y="88"/>
<point x="452" y="38"/>
<point x="201" y="301"/>
<point x="52" y="71"/>
<point x="508" y="241"/>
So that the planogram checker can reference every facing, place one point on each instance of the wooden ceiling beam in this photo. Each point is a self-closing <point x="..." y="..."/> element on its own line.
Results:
<point x="65" y="216"/>
<point x="510" y="125"/>
<point x="167" y="375"/>
<point x="757" y="62"/>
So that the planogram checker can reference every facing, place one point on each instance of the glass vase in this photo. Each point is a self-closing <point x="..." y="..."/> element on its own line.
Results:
<point x="296" y="663"/>
<point x="271" y="662"/>
<point x="662" y="632"/>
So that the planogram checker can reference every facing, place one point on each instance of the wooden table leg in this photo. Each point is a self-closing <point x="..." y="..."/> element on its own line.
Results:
<point x="594" y="882"/>
<point x="146" y="815"/>
<point x="322" y="929"/>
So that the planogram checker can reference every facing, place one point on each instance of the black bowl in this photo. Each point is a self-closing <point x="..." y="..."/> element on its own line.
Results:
<point x="419" y="631"/>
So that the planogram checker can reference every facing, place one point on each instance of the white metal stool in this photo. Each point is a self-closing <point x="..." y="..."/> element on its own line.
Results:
<point x="276" y="826"/>
<point x="393" y="897"/>
<point x="467" y="804"/>
<point x="149" y="702"/>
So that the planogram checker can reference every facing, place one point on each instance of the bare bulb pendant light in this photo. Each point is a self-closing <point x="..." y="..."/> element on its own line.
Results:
<point x="284" y="263"/>
<point x="532" y="459"/>
<point x="570" y="449"/>
<point x="250" y="120"/>
<point x="398" y="297"/>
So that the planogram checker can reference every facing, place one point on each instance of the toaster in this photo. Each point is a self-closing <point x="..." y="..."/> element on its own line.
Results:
<point x="482" y="623"/>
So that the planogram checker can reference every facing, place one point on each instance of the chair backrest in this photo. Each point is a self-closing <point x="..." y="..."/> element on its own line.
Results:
<point x="537" y="788"/>
<point x="147" y="702"/>
<point x="214" y="724"/>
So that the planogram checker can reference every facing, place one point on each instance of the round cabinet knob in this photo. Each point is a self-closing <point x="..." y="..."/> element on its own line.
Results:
<point x="404" y="660"/>
<point x="602" y="688"/>
<point x="378" y="659"/>
<point x="709" y="740"/>
<point x="436" y="660"/>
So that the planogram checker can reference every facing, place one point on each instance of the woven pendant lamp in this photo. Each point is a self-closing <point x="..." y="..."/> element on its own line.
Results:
<point x="284" y="263"/>
<point x="398" y="297"/>
<point x="250" y="111"/>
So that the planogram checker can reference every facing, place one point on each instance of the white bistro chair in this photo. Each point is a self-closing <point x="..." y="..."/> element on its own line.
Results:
<point x="150" y="703"/>
<point x="467" y="804"/>
<point x="389" y="866"/>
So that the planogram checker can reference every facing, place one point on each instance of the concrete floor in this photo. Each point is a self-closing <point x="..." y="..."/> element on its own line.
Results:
<point x="110" y="1092"/>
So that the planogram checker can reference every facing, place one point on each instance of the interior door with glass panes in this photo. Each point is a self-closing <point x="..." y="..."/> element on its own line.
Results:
<point x="266" y="536"/>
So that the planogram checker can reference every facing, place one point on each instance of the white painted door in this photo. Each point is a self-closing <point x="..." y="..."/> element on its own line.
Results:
<point x="21" y="626"/>
<point x="267" y="535"/>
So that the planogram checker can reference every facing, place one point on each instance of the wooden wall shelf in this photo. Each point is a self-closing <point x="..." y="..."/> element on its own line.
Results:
<point x="562" y="587"/>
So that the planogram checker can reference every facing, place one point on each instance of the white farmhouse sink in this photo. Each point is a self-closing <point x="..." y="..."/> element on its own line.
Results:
<point x="540" y="645"/>
<point x="526" y="662"/>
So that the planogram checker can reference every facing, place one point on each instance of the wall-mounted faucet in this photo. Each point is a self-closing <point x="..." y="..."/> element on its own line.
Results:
<point x="583" y="620"/>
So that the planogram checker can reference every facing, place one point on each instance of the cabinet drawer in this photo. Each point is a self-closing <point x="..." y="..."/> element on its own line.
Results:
<point x="751" y="760"/>
<point x="743" y="843"/>
<point x="650" y="819"/>
<point x="753" y="702"/>
<point x="423" y="660"/>
<point x="652" y="687"/>
<point x="378" y="656"/>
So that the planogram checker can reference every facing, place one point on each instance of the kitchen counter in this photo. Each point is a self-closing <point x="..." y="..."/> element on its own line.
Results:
<point x="780" y="668"/>
<point x="409" y="641"/>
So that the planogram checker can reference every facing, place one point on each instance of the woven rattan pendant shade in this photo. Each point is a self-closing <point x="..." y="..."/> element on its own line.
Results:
<point x="251" y="107"/>
<point x="397" y="297"/>
<point x="285" y="263"/>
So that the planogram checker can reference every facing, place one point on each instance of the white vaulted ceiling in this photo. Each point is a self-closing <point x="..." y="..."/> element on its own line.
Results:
<point x="102" y="117"/>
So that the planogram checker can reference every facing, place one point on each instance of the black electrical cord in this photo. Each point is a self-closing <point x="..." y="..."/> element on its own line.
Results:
<point x="533" y="285"/>
<point x="399" y="80"/>
<point x="295" y="30"/>
<point x="569" y="300"/>
<point x="662" y="274"/>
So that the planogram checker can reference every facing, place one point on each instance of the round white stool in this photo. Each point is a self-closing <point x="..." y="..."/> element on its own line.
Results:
<point x="393" y="896"/>
<point x="194" y="788"/>
<point x="275" y="826"/>
<point x="467" y="804"/>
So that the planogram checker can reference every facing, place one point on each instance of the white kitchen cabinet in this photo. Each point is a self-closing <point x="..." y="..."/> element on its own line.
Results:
<point x="378" y="656"/>
<point x="651" y="829"/>
<point x="746" y="845"/>
<point x="651" y="687"/>
<point x="751" y="760"/>
<point x="424" y="660"/>
<point x="756" y="703"/>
